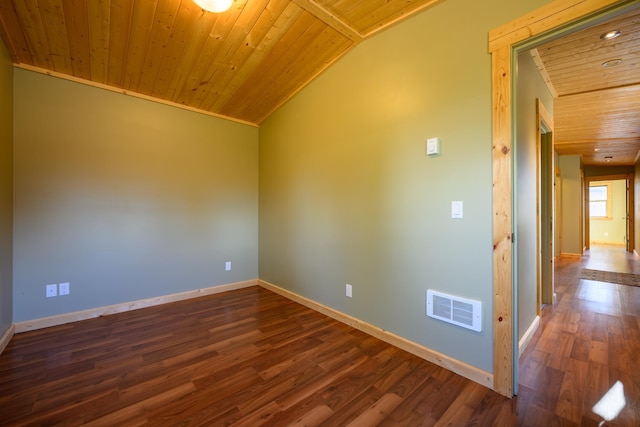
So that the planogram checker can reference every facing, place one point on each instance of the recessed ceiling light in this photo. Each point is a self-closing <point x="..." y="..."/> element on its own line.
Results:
<point x="609" y="35"/>
<point x="611" y="63"/>
<point x="596" y="149"/>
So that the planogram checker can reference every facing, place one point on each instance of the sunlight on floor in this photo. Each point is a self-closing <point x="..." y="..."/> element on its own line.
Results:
<point x="611" y="404"/>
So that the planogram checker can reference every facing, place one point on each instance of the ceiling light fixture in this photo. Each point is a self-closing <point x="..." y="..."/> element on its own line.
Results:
<point x="611" y="63"/>
<point x="215" y="6"/>
<point x="609" y="35"/>
<point x="608" y="159"/>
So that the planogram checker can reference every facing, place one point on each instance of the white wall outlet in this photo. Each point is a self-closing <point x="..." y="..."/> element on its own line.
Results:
<point x="52" y="290"/>
<point x="227" y="266"/>
<point x="349" y="290"/>
<point x="63" y="289"/>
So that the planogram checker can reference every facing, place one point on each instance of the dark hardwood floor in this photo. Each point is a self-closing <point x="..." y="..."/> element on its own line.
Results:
<point x="250" y="357"/>
<point x="246" y="357"/>
<point x="588" y="344"/>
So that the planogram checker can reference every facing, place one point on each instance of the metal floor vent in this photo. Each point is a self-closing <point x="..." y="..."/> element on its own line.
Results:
<point x="458" y="311"/>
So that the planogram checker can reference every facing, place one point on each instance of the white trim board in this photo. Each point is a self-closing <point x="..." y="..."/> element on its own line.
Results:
<point x="461" y="368"/>
<point x="526" y="338"/>
<point x="6" y="337"/>
<point x="91" y="313"/>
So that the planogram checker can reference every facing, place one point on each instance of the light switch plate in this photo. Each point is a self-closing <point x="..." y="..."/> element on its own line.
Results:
<point x="433" y="146"/>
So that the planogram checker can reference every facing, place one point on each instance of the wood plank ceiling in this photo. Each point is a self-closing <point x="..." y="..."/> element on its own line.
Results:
<point x="241" y="64"/>
<point x="597" y="108"/>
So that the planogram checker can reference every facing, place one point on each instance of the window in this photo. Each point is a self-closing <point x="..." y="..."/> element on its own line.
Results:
<point x="600" y="201"/>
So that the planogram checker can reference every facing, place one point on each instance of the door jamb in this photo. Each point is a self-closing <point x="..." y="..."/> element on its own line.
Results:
<point x="544" y="121"/>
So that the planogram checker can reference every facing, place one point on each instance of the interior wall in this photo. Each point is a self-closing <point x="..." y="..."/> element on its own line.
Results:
<point x="347" y="194"/>
<point x="530" y="87"/>
<point x="126" y="199"/>
<point x="6" y="190"/>
<point x="571" y="203"/>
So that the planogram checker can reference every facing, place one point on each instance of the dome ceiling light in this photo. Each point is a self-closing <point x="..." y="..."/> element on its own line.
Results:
<point x="215" y="6"/>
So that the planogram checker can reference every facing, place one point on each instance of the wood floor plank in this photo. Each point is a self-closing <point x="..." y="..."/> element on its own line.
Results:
<point x="314" y="417"/>
<point x="351" y="405"/>
<point x="461" y="409"/>
<point x="377" y="412"/>
<point x="571" y="396"/>
<point x="416" y="408"/>
<point x="560" y="353"/>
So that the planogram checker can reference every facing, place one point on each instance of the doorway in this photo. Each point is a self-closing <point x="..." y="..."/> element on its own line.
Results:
<point x="609" y="218"/>
<point x="502" y="46"/>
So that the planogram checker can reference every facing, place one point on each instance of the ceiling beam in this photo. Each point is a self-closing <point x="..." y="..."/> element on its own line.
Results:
<point x="330" y="19"/>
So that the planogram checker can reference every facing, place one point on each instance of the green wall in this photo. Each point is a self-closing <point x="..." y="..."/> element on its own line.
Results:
<point x="347" y="194"/>
<point x="530" y="87"/>
<point x="571" y="181"/>
<point x="6" y="190"/>
<point x="126" y="199"/>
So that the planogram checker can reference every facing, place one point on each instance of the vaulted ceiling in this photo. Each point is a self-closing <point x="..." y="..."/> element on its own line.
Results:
<point x="242" y="64"/>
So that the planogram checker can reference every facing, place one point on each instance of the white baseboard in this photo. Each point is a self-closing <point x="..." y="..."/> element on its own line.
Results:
<point x="6" y="337"/>
<point x="526" y="338"/>
<point x="76" y="316"/>
<point x="470" y="372"/>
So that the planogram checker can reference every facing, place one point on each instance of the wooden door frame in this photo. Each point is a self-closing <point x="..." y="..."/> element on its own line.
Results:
<point x="502" y="42"/>
<point x="544" y="120"/>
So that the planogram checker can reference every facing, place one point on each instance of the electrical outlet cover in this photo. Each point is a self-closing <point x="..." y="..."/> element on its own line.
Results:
<point x="52" y="290"/>
<point x="64" y="289"/>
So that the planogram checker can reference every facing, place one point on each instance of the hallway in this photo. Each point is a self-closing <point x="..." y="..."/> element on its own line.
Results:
<point x="587" y="346"/>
